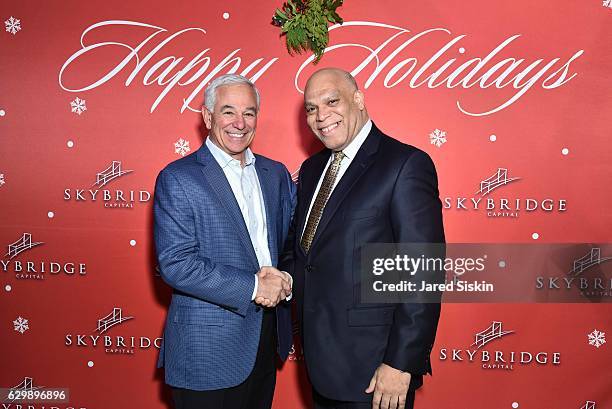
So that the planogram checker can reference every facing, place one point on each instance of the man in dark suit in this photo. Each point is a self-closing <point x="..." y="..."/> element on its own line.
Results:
<point x="221" y="216"/>
<point x="364" y="187"/>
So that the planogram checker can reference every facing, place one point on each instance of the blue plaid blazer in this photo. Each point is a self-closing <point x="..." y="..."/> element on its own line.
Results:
<point x="205" y="254"/>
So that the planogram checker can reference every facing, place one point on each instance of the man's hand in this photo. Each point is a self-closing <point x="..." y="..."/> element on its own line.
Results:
<point x="390" y="387"/>
<point x="273" y="287"/>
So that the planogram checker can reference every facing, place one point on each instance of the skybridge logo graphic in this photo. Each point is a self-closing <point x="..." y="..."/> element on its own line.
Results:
<point x="22" y="397"/>
<point x="583" y="276"/>
<point x="591" y="259"/>
<point x="112" y="344"/>
<point x="499" y="179"/>
<point x="492" y="333"/>
<point x="27" y="385"/>
<point x="484" y="201"/>
<point x="14" y="262"/>
<point x="100" y="192"/>
<point x="112" y="319"/>
<point x="23" y="244"/>
<point x="111" y="173"/>
<point x="500" y="359"/>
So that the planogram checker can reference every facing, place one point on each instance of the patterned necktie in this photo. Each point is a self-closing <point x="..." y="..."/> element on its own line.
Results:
<point x="321" y="201"/>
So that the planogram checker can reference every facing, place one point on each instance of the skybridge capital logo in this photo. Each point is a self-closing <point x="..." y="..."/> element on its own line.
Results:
<point x="99" y="191"/>
<point x="25" y="263"/>
<point x="101" y="338"/>
<point x="480" y="353"/>
<point x="489" y="200"/>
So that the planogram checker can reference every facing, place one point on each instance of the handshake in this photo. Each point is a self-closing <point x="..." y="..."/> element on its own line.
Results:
<point x="273" y="286"/>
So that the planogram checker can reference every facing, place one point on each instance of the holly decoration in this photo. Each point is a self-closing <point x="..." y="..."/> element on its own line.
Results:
<point x="304" y="24"/>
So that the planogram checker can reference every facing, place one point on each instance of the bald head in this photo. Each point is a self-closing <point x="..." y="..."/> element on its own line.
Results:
<point x="335" y="108"/>
<point x="337" y="73"/>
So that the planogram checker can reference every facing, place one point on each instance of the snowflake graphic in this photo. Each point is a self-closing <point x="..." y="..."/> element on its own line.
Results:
<point x="2" y="179"/>
<point x="438" y="137"/>
<point x="13" y="25"/>
<point x="597" y="338"/>
<point x="21" y="325"/>
<point x="78" y="106"/>
<point x="607" y="3"/>
<point x="181" y="147"/>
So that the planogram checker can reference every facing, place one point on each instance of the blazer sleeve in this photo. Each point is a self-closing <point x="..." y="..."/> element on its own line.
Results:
<point x="416" y="214"/>
<point x="180" y="262"/>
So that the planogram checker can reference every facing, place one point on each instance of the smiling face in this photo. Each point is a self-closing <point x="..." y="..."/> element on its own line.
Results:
<point x="335" y="109"/>
<point x="234" y="119"/>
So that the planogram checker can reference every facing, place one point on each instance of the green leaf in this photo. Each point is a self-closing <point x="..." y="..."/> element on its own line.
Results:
<point x="305" y="24"/>
<point x="335" y="18"/>
<point x="293" y="6"/>
<point x="280" y="14"/>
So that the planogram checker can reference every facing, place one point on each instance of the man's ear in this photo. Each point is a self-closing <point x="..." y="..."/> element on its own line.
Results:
<point x="207" y="116"/>
<point x="358" y="97"/>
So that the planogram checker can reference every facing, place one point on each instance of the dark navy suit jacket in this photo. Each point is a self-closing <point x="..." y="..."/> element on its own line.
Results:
<point x="389" y="194"/>
<point x="205" y="254"/>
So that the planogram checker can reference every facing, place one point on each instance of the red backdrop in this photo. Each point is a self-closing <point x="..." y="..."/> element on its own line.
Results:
<point x="511" y="89"/>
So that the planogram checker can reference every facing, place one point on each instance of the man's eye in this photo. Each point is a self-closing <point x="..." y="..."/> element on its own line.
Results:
<point x="227" y="113"/>
<point x="249" y="114"/>
<point x="333" y="102"/>
<point x="309" y="109"/>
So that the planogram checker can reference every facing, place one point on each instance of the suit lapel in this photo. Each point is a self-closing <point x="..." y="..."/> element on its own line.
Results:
<point x="216" y="179"/>
<point x="362" y="161"/>
<point x="263" y="174"/>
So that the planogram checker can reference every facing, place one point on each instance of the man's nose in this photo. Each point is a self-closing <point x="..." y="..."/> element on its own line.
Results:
<point x="239" y="123"/>
<point x="322" y="114"/>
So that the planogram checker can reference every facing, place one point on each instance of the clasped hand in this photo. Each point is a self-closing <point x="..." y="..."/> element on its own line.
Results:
<point x="273" y="286"/>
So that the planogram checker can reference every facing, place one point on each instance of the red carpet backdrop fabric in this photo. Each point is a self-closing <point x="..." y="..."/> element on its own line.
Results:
<point x="511" y="99"/>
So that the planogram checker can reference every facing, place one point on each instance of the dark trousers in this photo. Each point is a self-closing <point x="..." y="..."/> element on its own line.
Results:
<point x="321" y="402"/>
<point x="255" y="392"/>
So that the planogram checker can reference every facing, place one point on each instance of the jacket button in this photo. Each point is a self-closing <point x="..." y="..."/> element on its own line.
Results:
<point x="309" y="268"/>
<point x="257" y="309"/>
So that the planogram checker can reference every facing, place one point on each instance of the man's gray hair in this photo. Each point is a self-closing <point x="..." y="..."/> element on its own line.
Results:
<point x="210" y="95"/>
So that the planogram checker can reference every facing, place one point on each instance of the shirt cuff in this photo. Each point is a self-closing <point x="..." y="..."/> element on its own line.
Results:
<point x="290" y="296"/>
<point x="255" y="288"/>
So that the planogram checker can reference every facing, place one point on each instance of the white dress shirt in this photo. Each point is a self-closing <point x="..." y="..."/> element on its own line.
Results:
<point x="349" y="152"/>
<point x="247" y="191"/>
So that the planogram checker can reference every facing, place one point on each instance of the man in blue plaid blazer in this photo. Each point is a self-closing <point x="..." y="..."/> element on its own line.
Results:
<point x="221" y="216"/>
